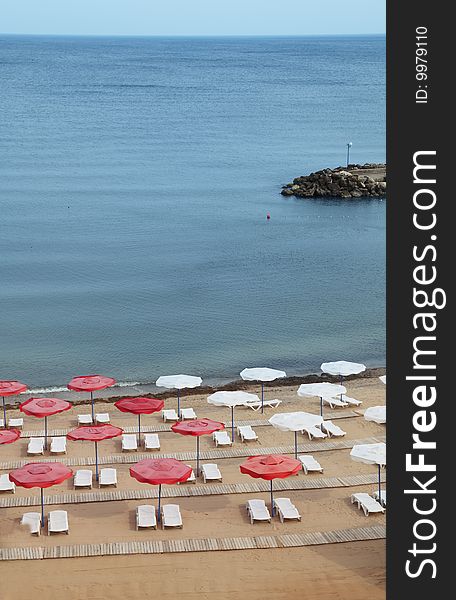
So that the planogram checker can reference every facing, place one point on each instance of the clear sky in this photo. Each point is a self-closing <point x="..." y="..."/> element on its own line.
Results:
<point x="192" y="17"/>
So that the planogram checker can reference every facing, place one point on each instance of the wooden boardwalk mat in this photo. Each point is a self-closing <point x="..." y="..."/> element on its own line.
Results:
<point x="240" y="451"/>
<point x="188" y="491"/>
<point x="295" y="540"/>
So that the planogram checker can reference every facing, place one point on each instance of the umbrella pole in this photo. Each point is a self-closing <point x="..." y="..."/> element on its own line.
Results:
<point x="341" y="381"/>
<point x="197" y="454"/>
<point x="296" y="444"/>
<point x="93" y="412"/>
<point x="379" y="486"/>
<point x="139" y="428"/>
<point x="232" y="424"/>
<point x="159" y="501"/>
<point x="4" y="411"/>
<point x="45" y="432"/>
<point x="178" y="404"/>
<point x="96" y="461"/>
<point x="321" y="407"/>
<point x="42" y="507"/>
<point x="262" y="397"/>
<point x="272" y="501"/>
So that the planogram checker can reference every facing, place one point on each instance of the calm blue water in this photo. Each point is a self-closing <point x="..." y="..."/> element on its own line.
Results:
<point x="135" y="179"/>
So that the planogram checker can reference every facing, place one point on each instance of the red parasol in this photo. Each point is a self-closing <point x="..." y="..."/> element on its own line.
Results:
<point x="270" y="467"/>
<point x="44" y="407"/>
<point x="41" y="475"/>
<point x="90" y="383"/>
<point x="140" y="406"/>
<point x="10" y="388"/>
<point x="197" y="428"/>
<point x="8" y="436"/>
<point x="94" y="433"/>
<point x="160" y="470"/>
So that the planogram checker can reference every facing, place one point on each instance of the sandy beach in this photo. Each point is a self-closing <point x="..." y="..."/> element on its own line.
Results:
<point x="351" y="570"/>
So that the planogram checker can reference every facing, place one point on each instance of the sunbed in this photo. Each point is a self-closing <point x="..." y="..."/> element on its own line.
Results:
<point x="381" y="500"/>
<point x="314" y="432"/>
<point x="145" y="516"/>
<point x="221" y="438"/>
<point x="351" y="401"/>
<point x="246" y="433"/>
<point x="6" y="485"/>
<point x="129" y="442"/>
<point x="335" y="402"/>
<point x="108" y="477"/>
<point x="286" y="509"/>
<point x="35" y="446"/>
<point x="256" y="404"/>
<point x="169" y="415"/>
<point x="85" y="420"/>
<point x="102" y="418"/>
<point x="258" y="511"/>
<point x="58" y="445"/>
<point x="16" y="423"/>
<point x="211" y="472"/>
<point x="151" y="441"/>
<point x="171" y="516"/>
<point x="187" y="414"/>
<point x="310" y="464"/>
<point x="2" y="423"/>
<point x="58" y="522"/>
<point x="367" y="503"/>
<point x="191" y="479"/>
<point x="83" y="478"/>
<point x="332" y="430"/>
<point x="33" y="522"/>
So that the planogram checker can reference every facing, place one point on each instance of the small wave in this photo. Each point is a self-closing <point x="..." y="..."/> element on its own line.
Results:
<point x="46" y="390"/>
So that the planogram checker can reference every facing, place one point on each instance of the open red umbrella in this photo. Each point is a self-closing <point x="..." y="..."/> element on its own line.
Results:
<point x="90" y="383"/>
<point x="41" y="475"/>
<point x="44" y="408"/>
<point x="94" y="433"/>
<point x="8" y="436"/>
<point x="270" y="467"/>
<point x="139" y="406"/>
<point x="10" y="388"/>
<point x="197" y="428"/>
<point x="157" y="471"/>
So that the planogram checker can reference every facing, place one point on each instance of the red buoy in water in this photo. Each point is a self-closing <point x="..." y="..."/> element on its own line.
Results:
<point x="268" y="216"/>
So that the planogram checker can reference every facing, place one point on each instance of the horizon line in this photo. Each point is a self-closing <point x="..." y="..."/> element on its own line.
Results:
<point x="192" y="35"/>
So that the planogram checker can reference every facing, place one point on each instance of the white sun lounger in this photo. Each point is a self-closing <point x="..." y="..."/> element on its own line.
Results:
<point x="310" y="464"/>
<point x="351" y="401"/>
<point x="2" y="423"/>
<point x="145" y="516"/>
<point x="129" y="442"/>
<point x="286" y="509"/>
<point x="367" y="503"/>
<point x="16" y="423"/>
<point x="36" y="446"/>
<point x="188" y="414"/>
<point x="102" y="418"/>
<point x="33" y="522"/>
<point x="108" y="477"/>
<point x="83" y="478"/>
<point x="58" y="522"/>
<point x="6" y="485"/>
<point x="256" y="404"/>
<point x="221" y="438"/>
<point x="191" y="479"/>
<point x="314" y="432"/>
<point x="257" y="511"/>
<point x="246" y="433"/>
<point x="169" y="415"/>
<point x="211" y="472"/>
<point x="333" y="430"/>
<point x="171" y="516"/>
<point x="85" y="420"/>
<point x="335" y="402"/>
<point x="382" y="501"/>
<point x="58" y="445"/>
<point x="151" y="441"/>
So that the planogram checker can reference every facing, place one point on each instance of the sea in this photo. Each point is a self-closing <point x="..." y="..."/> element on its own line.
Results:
<point x="136" y="176"/>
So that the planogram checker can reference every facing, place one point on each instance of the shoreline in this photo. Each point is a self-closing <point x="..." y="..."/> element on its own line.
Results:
<point x="151" y="390"/>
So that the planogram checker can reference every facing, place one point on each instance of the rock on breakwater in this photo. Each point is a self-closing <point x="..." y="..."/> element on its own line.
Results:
<point x="354" y="181"/>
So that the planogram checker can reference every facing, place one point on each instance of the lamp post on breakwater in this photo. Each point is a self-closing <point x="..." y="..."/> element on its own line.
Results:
<point x="349" y="145"/>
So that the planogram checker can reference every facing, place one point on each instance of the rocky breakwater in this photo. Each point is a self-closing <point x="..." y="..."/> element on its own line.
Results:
<point x="354" y="181"/>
